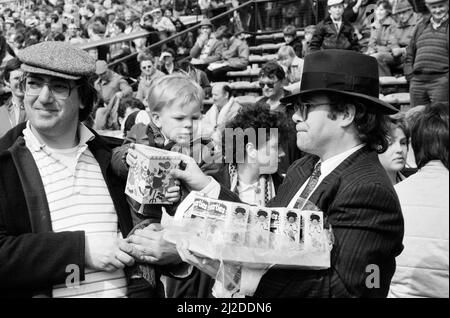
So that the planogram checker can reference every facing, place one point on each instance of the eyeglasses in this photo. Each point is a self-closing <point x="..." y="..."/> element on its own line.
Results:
<point x="147" y="67"/>
<point x="60" y="89"/>
<point x="268" y="84"/>
<point x="302" y="109"/>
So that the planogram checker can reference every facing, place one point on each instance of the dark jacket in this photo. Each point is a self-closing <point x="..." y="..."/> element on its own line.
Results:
<point x="363" y="209"/>
<point x="32" y="257"/>
<point x="326" y="37"/>
<point x="297" y="45"/>
<point x="411" y="49"/>
<point x="200" y="284"/>
<point x="150" y="135"/>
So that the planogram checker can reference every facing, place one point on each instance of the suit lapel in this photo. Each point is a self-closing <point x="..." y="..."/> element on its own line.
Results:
<point x="297" y="175"/>
<point x="328" y="183"/>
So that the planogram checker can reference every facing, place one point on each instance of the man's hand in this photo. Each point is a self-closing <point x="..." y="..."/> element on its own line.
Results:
<point x="102" y="252"/>
<point x="192" y="176"/>
<point x="149" y="246"/>
<point x="397" y="51"/>
<point x="173" y="194"/>
<point x="206" y="265"/>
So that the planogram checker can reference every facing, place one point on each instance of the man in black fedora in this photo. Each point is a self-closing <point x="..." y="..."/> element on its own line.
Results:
<point x="341" y="123"/>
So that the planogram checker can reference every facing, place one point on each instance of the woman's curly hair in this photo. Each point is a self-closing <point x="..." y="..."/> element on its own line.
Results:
<point x="257" y="118"/>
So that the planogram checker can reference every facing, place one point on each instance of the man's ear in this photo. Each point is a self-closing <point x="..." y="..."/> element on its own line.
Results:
<point x="156" y="118"/>
<point x="348" y="115"/>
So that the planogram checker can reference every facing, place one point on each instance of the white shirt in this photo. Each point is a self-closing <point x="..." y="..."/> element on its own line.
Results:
<point x="250" y="281"/>
<point x="326" y="168"/>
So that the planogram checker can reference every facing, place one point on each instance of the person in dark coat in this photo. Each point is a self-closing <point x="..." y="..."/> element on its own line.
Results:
<point x="342" y="124"/>
<point x="291" y="39"/>
<point x="334" y="32"/>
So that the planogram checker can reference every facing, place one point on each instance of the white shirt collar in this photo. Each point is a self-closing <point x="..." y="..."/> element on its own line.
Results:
<point x="84" y="133"/>
<point x="330" y="164"/>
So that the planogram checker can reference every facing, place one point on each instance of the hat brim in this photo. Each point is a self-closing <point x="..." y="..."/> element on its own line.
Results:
<point x="402" y="10"/>
<point x="43" y="71"/>
<point x="379" y="105"/>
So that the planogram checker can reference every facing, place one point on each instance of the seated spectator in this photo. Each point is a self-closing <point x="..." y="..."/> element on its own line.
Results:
<point x="423" y="266"/>
<point x="167" y="59"/>
<point x="392" y="62"/>
<point x="394" y="158"/>
<point x="198" y="76"/>
<point x="109" y="83"/>
<point x="130" y="112"/>
<point x="147" y="24"/>
<point x="381" y="32"/>
<point x="309" y="32"/>
<point x="185" y="42"/>
<point x="224" y="109"/>
<point x="234" y="56"/>
<point x="360" y="13"/>
<point x="291" y="39"/>
<point x="180" y="7"/>
<point x="207" y="48"/>
<point x="12" y="112"/>
<point x="162" y="24"/>
<point x="293" y="67"/>
<point x="334" y="32"/>
<point x="250" y="173"/>
<point x="74" y="34"/>
<point x="271" y="80"/>
<point x="148" y="73"/>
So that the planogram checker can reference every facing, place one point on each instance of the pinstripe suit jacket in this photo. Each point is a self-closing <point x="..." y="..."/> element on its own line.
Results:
<point x="364" y="211"/>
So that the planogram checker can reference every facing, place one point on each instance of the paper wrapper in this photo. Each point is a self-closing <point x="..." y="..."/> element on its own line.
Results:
<point x="149" y="179"/>
<point x="250" y="236"/>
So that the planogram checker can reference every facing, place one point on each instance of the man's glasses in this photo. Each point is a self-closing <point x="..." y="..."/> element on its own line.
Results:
<point x="302" y="109"/>
<point x="268" y="84"/>
<point x="60" y="89"/>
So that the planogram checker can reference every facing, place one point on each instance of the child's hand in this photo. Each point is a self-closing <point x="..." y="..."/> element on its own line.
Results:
<point x="173" y="193"/>
<point x="131" y="156"/>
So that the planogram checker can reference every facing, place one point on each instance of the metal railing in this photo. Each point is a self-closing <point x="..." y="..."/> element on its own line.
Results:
<point x="255" y="17"/>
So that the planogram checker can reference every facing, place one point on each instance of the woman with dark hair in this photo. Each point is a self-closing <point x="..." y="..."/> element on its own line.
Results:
<point x="394" y="158"/>
<point x="423" y="267"/>
<point x="382" y="30"/>
<point x="249" y="169"/>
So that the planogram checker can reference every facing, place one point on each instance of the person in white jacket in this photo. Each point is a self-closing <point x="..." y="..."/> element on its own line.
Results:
<point x="423" y="266"/>
<point x="223" y="110"/>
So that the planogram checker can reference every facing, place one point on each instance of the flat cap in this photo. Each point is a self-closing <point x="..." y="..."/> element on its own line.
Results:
<point x="58" y="59"/>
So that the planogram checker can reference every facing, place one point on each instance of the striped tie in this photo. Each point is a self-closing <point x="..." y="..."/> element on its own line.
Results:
<point x="309" y="187"/>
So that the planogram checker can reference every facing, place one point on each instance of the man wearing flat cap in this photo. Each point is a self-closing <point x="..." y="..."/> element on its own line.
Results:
<point x="62" y="211"/>
<point x="426" y="63"/>
<point x="341" y="123"/>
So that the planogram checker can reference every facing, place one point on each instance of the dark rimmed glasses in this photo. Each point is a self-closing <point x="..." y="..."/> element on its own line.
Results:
<point x="302" y="109"/>
<point x="60" y="89"/>
<point x="268" y="84"/>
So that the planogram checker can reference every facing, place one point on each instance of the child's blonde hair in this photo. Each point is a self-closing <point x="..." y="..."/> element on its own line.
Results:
<point x="174" y="89"/>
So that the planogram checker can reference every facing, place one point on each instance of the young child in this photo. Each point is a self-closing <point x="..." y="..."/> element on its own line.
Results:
<point x="174" y="103"/>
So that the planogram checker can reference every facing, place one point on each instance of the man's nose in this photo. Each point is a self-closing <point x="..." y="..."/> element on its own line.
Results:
<point x="296" y="118"/>
<point x="46" y="95"/>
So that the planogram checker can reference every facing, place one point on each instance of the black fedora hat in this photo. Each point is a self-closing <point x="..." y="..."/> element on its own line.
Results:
<point x="344" y="73"/>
